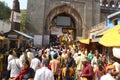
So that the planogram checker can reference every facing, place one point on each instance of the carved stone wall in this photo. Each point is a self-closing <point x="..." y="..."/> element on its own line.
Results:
<point x="40" y="13"/>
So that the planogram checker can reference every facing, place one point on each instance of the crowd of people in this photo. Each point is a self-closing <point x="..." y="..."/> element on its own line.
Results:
<point x="58" y="63"/>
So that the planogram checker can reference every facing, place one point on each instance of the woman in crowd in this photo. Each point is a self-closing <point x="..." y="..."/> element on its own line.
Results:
<point x="13" y="66"/>
<point x="67" y="72"/>
<point x="26" y="72"/>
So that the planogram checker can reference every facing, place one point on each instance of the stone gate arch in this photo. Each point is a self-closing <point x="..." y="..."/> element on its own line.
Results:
<point x="69" y="10"/>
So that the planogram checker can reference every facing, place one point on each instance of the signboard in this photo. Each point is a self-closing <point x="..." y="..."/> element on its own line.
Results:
<point x="56" y="30"/>
<point x="37" y="40"/>
<point x="116" y="52"/>
<point x="15" y="17"/>
<point x="63" y="20"/>
<point x="46" y="39"/>
<point x="12" y="36"/>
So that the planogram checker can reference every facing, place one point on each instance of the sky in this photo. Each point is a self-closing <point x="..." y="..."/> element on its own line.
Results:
<point x="9" y="3"/>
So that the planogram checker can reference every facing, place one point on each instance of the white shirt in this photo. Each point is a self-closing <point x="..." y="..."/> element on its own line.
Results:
<point x="117" y="66"/>
<point x="44" y="74"/>
<point x="75" y="56"/>
<point x="94" y="60"/>
<point x="30" y="56"/>
<point x="48" y="51"/>
<point x="52" y="53"/>
<point x="107" y="77"/>
<point x="10" y="57"/>
<point x="14" y="67"/>
<point x="79" y="62"/>
<point x="40" y="52"/>
<point x="22" y="58"/>
<point x="35" y="64"/>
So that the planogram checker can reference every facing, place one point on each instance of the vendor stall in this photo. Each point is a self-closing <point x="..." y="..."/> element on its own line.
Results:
<point x="112" y="39"/>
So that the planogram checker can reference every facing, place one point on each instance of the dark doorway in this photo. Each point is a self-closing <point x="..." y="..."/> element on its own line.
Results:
<point x="54" y="40"/>
<point x="13" y="44"/>
<point x="67" y="23"/>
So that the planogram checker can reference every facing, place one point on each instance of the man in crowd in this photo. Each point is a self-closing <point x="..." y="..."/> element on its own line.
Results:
<point x="44" y="73"/>
<point x="35" y="63"/>
<point x="14" y="66"/>
<point x="55" y="66"/>
<point x="109" y="73"/>
<point x="79" y="65"/>
<point x="116" y="72"/>
<point x="87" y="71"/>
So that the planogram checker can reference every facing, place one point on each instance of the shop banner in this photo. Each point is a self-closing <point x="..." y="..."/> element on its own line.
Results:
<point x="37" y="40"/>
<point x="116" y="52"/>
<point x="15" y="17"/>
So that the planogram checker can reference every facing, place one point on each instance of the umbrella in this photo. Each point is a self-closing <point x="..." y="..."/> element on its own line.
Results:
<point x="111" y="37"/>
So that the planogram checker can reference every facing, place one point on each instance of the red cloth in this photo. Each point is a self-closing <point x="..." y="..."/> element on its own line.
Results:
<point x="22" y="72"/>
<point x="44" y="55"/>
<point x="49" y="67"/>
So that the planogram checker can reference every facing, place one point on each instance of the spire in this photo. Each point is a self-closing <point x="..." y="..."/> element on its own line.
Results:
<point x="16" y="6"/>
<point x="15" y="16"/>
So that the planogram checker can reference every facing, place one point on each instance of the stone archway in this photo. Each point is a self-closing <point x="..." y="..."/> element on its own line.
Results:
<point x="69" y="10"/>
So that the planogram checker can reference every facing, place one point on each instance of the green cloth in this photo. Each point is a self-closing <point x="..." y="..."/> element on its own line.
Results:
<point x="90" y="56"/>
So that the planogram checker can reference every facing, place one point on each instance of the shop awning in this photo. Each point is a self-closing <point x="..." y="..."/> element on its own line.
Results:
<point x="2" y="38"/>
<point x="85" y="41"/>
<point x="95" y="37"/>
<point x="24" y="34"/>
<point x="111" y="37"/>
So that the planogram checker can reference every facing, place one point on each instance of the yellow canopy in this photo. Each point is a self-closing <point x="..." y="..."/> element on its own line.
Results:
<point x="111" y="37"/>
<point x="85" y="41"/>
<point x="1" y="38"/>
